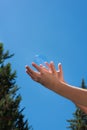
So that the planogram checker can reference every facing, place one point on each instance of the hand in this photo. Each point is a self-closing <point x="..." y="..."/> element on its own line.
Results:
<point x="53" y="79"/>
<point x="47" y="77"/>
<point x="59" y="71"/>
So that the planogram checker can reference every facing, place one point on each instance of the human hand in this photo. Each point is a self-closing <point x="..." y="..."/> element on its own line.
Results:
<point x="47" y="77"/>
<point x="59" y="71"/>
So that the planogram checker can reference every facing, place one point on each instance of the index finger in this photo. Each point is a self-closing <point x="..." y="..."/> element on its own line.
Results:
<point x="37" y="67"/>
<point x="30" y="72"/>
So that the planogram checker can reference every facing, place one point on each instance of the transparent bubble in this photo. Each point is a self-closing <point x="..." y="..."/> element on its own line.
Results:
<point x="40" y="59"/>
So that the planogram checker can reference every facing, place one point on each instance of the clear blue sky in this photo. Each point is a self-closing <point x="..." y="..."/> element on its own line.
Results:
<point x="56" y="29"/>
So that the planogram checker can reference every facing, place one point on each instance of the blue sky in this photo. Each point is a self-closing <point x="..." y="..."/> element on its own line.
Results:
<point x="56" y="29"/>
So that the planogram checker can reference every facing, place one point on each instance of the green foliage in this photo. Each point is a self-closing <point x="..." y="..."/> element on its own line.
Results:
<point x="11" y="117"/>
<point x="3" y="55"/>
<point x="79" y="121"/>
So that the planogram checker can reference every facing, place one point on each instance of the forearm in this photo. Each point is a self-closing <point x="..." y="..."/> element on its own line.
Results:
<point x="76" y="95"/>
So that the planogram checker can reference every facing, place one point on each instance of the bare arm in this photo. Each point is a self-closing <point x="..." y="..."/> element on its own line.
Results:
<point x="53" y="80"/>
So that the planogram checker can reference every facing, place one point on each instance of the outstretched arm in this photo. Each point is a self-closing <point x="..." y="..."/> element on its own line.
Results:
<point x="54" y="81"/>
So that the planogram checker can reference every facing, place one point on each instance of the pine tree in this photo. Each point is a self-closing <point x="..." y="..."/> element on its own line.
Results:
<point x="79" y="121"/>
<point x="11" y="117"/>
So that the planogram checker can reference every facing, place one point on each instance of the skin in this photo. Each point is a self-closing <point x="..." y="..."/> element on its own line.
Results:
<point x="54" y="80"/>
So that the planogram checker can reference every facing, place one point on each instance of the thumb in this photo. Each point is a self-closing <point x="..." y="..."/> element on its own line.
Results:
<point x="60" y="67"/>
<point x="60" y="71"/>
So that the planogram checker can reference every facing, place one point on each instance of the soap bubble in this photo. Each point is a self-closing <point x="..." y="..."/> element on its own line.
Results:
<point x="40" y="59"/>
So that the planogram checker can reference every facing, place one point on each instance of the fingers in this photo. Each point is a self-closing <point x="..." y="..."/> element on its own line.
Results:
<point x="36" y="66"/>
<point x="47" y="64"/>
<point x="30" y="71"/>
<point x="34" y="75"/>
<point x="60" y="68"/>
<point x="52" y="67"/>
